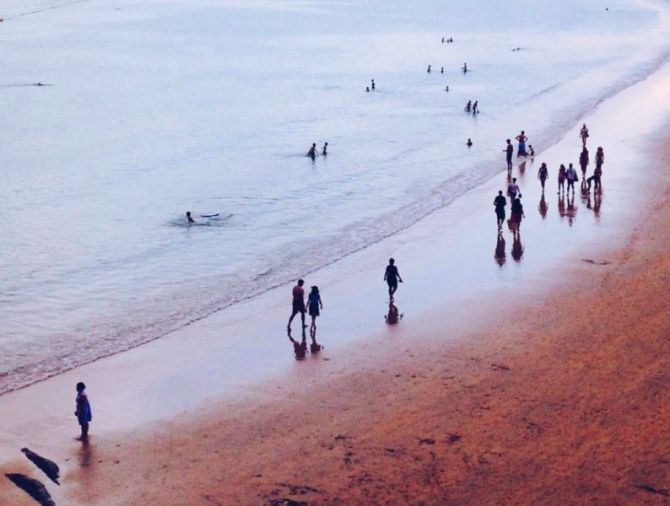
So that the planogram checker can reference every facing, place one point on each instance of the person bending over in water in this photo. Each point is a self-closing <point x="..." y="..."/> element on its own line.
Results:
<point x="314" y="305"/>
<point x="531" y="151"/>
<point x="189" y="218"/>
<point x="392" y="276"/>
<point x="372" y="84"/>
<point x="324" y="151"/>
<point x="428" y="69"/>
<point x="83" y="410"/>
<point x="571" y="176"/>
<point x="543" y="174"/>
<point x="500" y="202"/>
<point x="298" y="304"/>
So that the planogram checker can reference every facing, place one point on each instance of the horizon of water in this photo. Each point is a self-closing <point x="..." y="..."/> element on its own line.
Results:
<point x="158" y="107"/>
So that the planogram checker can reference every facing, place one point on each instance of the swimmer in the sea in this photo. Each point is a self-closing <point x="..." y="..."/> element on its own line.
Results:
<point x="189" y="218"/>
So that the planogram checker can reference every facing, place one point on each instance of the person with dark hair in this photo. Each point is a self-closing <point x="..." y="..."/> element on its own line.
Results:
<point x="509" y="153"/>
<point x="324" y="151"/>
<point x="561" y="178"/>
<point x="584" y="161"/>
<point x="521" y="139"/>
<point x="189" y="218"/>
<point x="312" y="151"/>
<point x="83" y="410"/>
<point x="513" y="190"/>
<point x="392" y="276"/>
<point x="298" y="304"/>
<point x="314" y="305"/>
<point x="571" y="176"/>
<point x="500" y="202"/>
<point x="469" y="143"/>
<point x="543" y="174"/>
<point x="468" y="106"/>
<point x="372" y="84"/>
<point x="428" y="70"/>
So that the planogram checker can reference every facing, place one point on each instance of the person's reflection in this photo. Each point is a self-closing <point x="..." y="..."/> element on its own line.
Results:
<point x="393" y="316"/>
<point x="86" y="453"/>
<point x="597" y="201"/>
<point x="499" y="254"/>
<point x="517" y="247"/>
<point x="299" y="347"/>
<point x="585" y="190"/>
<point x="561" y="205"/>
<point x="314" y="347"/>
<point x="542" y="207"/>
<point x="571" y="211"/>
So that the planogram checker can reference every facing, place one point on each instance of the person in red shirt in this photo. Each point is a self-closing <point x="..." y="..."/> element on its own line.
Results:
<point x="298" y="304"/>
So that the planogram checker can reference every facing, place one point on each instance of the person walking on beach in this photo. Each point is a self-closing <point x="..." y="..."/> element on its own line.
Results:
<point x="314" y="305"/>
<point x="83" y="410"/>
<point x="543" y="174"/>
<point x="584" y="134"/>
<point x="441" y="70"/>
<point x="392" y="276"/>
<point x="500" y="202"/>
<point x="312" y="151"/>
<point x="600" y="158"/>
<point x="521" y="139"/>
<point x="561" y="179"/>
<point x="298" y="304"/>
<point x="509" y="153"/>
<point x="517" y="214"/>
<point x="324" y="151"/>
<point x="571" y="176"/>
<point x="513" y="190"/>
<point x="584" y="161"/>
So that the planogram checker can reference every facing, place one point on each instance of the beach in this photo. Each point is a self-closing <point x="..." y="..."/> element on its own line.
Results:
<point x="527" y="368"/>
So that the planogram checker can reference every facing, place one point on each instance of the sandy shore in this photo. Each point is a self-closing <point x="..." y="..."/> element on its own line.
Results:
<point x="544" y="382"/>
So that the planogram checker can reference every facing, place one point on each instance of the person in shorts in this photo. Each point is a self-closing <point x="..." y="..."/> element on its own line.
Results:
<point x="392" y="276"/>
<point x="298" y="304"/>
<point x="314" y="305"/>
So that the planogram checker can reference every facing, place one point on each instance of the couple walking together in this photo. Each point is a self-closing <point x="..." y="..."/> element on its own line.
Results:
<point x="314" y="305"/>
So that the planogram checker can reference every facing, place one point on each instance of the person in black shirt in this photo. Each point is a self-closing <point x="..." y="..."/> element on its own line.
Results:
<point x="392" y="276"/>
<point x="500" y="202"/>
<point x="509" y="151"/>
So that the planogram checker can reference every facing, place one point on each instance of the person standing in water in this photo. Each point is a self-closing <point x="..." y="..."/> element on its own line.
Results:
<point x="584" y="161"/>
<point x="584" y="134"/>
<point x="324" y="151"/>
<point x="392" y="276"/>
<point x="372" y="84"/>
<point x="521" y="139"/>
<point x="189" y="218"/>
<point x="543" y="174"/>
<point x="314" y="305"/>
<point x="468" y="106"/>
<point x="428" y="69"/>
<point x="500" y="202"/>
<point x="509" y="153"/>
<point x="83" y="410"/>
<point x="441" y="70"/>
<point x="469" y="143"/>
<point x="298" y="304"/>
<point x="465" y="68"/>
<point x="312" y="151"/>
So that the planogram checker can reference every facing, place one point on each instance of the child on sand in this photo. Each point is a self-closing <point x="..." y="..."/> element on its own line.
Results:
<point x="83" y="410"/>
<point x="314" y="304"/>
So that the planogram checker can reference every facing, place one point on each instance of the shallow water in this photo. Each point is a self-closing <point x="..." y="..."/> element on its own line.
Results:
<point x="156" y="108"/>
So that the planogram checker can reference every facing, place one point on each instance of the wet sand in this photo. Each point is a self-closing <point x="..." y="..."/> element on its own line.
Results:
<point x="541" y="381"/>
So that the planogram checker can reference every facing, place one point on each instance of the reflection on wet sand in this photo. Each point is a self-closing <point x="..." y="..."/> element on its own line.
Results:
<point x="571" y="211"/>
<point x="314" y="347"/>
<point x="542" y="207"/>
<point x="393" y="316"/>
<point x="500" y="254"/>
<point x="299" y="347"/>
<point x="517" y="247"/>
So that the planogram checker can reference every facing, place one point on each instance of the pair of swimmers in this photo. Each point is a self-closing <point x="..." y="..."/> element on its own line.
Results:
<point x="312" y="151"/>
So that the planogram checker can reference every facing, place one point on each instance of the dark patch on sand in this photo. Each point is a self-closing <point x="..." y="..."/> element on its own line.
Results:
<point x="34" y="488"/>
<point x="47" y="466"/>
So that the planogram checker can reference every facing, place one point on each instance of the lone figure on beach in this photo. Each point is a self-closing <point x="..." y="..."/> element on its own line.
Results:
<point x="509" y="152"/>
<point x="584" y="134"/>
<point x="298" y="304"/>
<point x="83" y="410"/>
<point x="314" y="305"/>
<point x="392" y="276"/>
<point x="521" y="138"/>
<point x="500" y="202"/>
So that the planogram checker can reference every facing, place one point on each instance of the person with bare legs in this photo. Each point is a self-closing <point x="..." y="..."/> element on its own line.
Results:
<point x="500" y="202"/>
<point x="392" y="276"/>
<point x="298" y="304"/>
<point x="561" y="179"/>
<point x="584" y="134"/>
<point x="314" y="305"/>
<point x="542" y="175"/>
<point x="509" y="153"/>
<point x="83" y="411"/>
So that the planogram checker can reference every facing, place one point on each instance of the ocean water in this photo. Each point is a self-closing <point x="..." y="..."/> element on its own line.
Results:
<point x="151" y="108"/>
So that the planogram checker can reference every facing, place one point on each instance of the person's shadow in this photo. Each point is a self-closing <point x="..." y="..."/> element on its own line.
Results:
<point x="542" y="207"/>
<point x="571" y="211"/>
<point x="393" y="316"/>
<point x="517" y="246"/>
<point x="299" y="347"/>
<point x="499" y="253"/>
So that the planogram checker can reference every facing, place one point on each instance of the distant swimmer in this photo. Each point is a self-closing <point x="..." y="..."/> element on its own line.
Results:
<point x="500" y="202"/>
<point x="509" y="153"/>
<point x="392" y="277"/>
<point x="446" y="88"/>
<point x="584" y="134"/>
<point x="312" y="151"/>
<point x="571" y="176"/>
<point x="372" y="84"/>
<point x="468" y="106"/>
<point x="441" y="70"/>
<point x="521" y="139"/>
<point x="543" y="174"/>
<point x="442" y="40"/>
<point x="561" y="179"/>
<point x="475" y="107"/>
<point x="513" y="190"/>
<point x="517" y="213"/>
<point x="367" y="88"/>
<point x="469" y="143"/>
<point x="428" y="69"/>
<point x="465" y="68"/>
<point x="189" y="218"/>
<point x="324" y="151"/>
<point x="584" y="161"/>
<point x="298" y="304"/>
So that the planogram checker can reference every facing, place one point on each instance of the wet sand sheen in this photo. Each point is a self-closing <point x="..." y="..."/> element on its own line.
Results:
<point x="480" y="390"/>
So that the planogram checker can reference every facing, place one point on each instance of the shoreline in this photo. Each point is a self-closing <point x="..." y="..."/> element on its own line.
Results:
<point x="163" y="374"/>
